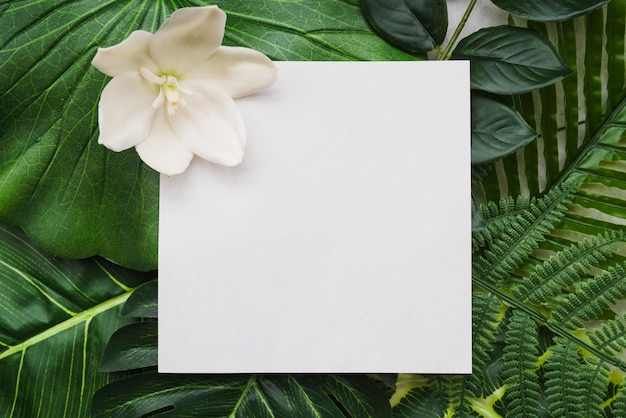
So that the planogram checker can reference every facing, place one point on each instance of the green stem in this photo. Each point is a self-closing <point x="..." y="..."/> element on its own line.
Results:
<point x="446" y="52"/>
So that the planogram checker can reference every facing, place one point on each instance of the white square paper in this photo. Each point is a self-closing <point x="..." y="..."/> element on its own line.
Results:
<point x="341" y="243"/>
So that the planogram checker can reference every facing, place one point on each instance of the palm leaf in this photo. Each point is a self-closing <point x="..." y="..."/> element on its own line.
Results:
<point x="55" y="316"/>
<point x="149" y="393"/>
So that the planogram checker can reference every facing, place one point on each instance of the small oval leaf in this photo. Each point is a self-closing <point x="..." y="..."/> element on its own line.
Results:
<point x="413" y="25"/>
<point x="142" y="303"/>
<point x="497" y="130"/>
<point x="131" y="347"/>
<point x="548" y="11"/>
<point x="510" y="60"/>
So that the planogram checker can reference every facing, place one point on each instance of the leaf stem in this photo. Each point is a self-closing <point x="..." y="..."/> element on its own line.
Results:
<point x="457" y="32"/>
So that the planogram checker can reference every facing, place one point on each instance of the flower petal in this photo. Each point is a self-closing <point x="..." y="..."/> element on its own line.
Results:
<point x="210" y="125"/>
<point x="125" y="111"/>
<point x="237" y="70"/>
<point x="129" y="55"/>
<point x="187" y="38"/>
<point x="162" y="150"/>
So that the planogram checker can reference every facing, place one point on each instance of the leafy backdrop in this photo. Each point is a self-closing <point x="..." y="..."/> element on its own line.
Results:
<point x="549" y="118"/>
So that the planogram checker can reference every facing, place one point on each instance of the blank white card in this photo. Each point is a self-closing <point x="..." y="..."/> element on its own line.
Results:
<point x="341" y="243"/>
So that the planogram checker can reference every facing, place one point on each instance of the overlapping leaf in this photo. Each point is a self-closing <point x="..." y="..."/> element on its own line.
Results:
<point x="71" y="195"/>
<point x="497" y="130"/>
<point x="549" y="11"/>
<point x="509" y="60"/>
<point x="55" y="316"/>
<point x="414" y="25"/>
<point x="145" y="394"/>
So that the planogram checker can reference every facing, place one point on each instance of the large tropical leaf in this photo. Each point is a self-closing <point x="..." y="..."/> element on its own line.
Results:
<point x="71" y="195"/>
<point x="55" y="316"/>
<point x="134" y="347"/>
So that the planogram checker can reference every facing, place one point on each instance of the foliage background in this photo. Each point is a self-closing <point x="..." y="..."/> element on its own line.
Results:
<point x="78" y="337"/>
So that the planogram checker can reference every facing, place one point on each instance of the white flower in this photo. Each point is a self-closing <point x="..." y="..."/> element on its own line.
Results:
<point x="172" y="93"/>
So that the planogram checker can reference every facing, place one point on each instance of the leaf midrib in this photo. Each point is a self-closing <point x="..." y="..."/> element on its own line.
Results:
<point x="69" y="323"/>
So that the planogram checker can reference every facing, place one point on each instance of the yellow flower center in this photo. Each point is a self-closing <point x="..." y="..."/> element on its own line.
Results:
<point x="169" y="91"/>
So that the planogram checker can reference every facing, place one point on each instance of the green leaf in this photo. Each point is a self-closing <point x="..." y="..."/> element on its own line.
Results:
<point x="497" y="130"/>
<point x="414" y="25"/>
<point x="241" y="396"/>
<point x="547" y="10"/>
<point x="477" y="220"/>
<point x="130" y="347"/>
<point x="135" y="346"/>
<point x="72" y="196"/>
<point x="55" y="316"/>
<point x="510" y="60"/>
<point x="142" y="303"/>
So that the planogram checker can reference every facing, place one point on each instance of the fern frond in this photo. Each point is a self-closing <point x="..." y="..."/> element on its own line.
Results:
<point x="485" y="325"/>
<point x="619" y="404"/>
<point x="595" y="387"/>
<point x="486" y="320"/>
<point x="522" y="397"/>
<point x="592" y="298"/>
<point x="566" y="267"/>
<point x="515" y="240"/>
<point x="498" y="218"/>
<point x="564" y="373"/>
<point x="611" y="336"/>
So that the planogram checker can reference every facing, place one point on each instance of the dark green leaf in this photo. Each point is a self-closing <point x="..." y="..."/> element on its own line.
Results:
<point x="510" y="60"/>
<point x="241" y="396"/>
<point x="131" y="347"/>
<point x="143" y="301"/>
<point x="413" y="25"/>
<point x="55" y="316"/>
<point x="74" y="197"/>
<point x="497" y="130"/>
<point x="549" y="10"/>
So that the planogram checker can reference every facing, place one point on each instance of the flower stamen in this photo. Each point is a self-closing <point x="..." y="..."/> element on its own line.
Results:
<point x="169" y="89"/>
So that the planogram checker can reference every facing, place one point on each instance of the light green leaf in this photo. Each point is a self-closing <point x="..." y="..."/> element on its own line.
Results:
<point x="55" y="317"/>
<point x="74" y="197"/>
<point x="497" y="130"/>
<point x="510" y="60"/>
<point x="547" y="10"/>
<point x="415" y="25"/>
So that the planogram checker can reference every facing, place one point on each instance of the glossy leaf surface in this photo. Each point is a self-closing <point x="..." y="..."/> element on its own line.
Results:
<point x="74" y="197"/>
<point x="509" y="60"/>
<point x="55" y="317"/>
<point x="497" y="130"/>
<point x="414" y="25"/>
<point x="241" y="396"/>
<point x="549" y="11"/>
<point x="131" y="347"/>
<point x="134" y="346"/>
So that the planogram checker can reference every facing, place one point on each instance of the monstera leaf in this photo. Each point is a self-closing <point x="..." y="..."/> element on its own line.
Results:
<point x="71" y="195"/>
<point x="145" y="394"/>
<point x="55" y="316"/>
